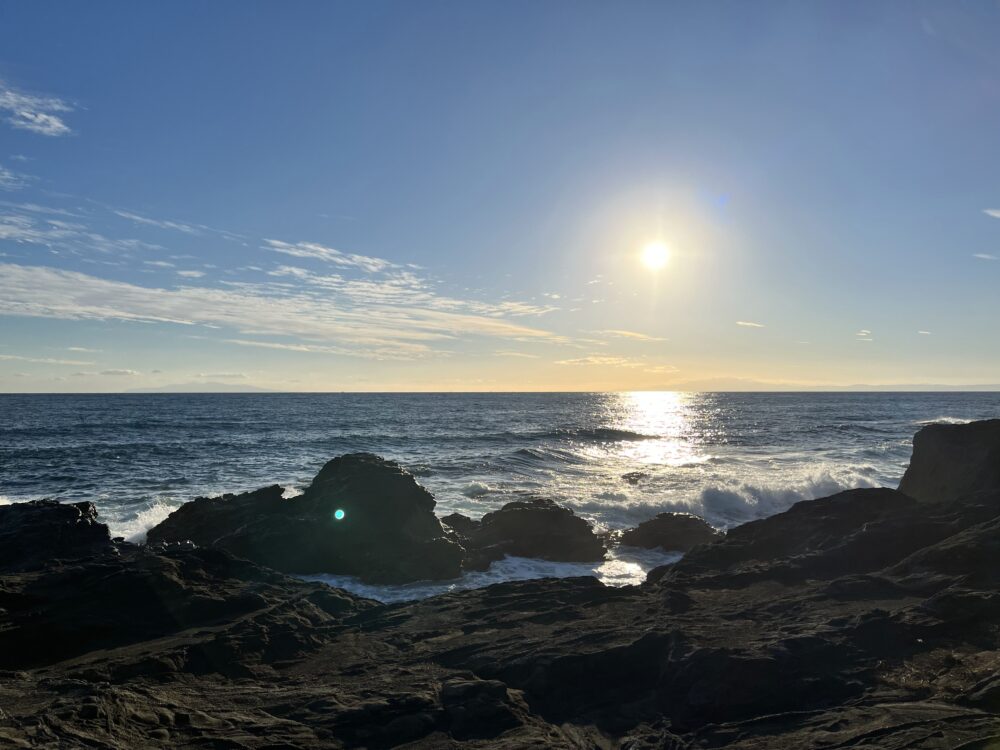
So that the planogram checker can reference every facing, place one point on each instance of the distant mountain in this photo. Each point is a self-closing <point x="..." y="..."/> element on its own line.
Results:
<point x="202" y="388"/>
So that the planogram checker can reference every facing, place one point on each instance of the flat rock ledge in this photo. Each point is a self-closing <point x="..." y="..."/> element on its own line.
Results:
<point x="867" y="619"/>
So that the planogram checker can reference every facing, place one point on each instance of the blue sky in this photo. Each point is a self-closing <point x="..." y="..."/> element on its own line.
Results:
<point x="455" y="196"/>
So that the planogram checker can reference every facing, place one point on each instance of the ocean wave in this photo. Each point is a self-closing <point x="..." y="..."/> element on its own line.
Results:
<point x="725" y="504"/>
<point x="476" y="489"/>
<point x="615" y="497"/>
<point x="943" y="420"/>
<point x="597" y="434"/>
<point x="547" y="455"/>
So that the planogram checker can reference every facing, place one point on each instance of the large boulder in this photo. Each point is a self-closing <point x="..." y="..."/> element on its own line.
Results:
<point x="953" y="460"/>
<point x="538" y="528"/>
<point x="35" y="533"/>
<point x="361" y="516"/>
<point x="672" y="531"/>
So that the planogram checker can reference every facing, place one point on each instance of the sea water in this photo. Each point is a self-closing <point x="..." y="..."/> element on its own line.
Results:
<point x="615" y="458"/>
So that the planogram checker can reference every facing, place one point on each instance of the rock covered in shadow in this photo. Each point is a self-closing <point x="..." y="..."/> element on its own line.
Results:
<point x="35" y="533"/>
<point x="361" y="516"/>
<point x="953" y="460"/>
<point x="461" y="524"/>
<point x="538" y="528"/>
<point x="672" y="531"/>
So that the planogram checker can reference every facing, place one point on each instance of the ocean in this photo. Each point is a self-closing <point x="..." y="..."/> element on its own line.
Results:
<point x="615" y="458"/>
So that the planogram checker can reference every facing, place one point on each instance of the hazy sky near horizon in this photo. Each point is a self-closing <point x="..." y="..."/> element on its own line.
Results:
<point x="455" y="195"/>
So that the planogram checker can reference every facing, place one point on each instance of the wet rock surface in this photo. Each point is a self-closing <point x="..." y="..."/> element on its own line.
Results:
<point x="361" y="516"/>
<point x="867" y="619"/>
<point x="674" y="532"/>
<point x="953" y="460"/>
<point x="538" y="528"/>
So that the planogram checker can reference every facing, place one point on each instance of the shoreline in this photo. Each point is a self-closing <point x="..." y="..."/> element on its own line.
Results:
<point x="867" y="616"/>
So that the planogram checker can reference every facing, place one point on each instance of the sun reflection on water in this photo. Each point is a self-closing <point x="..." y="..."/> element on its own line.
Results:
<point x="665" y="418"/>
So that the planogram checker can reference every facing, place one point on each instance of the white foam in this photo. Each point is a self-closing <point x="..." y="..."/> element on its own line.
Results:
<point x="727" y="502"/>
<point x="624" y="567"/>
<point x="944" y="420"/>
<point x="616" y="497"/>
<point x="134" y="524"/>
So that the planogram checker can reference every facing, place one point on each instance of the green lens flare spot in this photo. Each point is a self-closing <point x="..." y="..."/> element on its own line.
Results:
<point x="339" y="514"/>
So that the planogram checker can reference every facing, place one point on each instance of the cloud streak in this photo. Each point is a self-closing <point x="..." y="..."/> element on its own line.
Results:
<point x="43" y="360"/>
<point x="618" y="333"/>
<point x="370" y="322"/>
<point x="38" y="114"/>
<point x="749" y="324"/>
<point x="10" y="180"/>
<point x="329" y="255"/>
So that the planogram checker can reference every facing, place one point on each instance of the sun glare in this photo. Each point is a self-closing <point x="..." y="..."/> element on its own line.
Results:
<point x="655" y="256"/>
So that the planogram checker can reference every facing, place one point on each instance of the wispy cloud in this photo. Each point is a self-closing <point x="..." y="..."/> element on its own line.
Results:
<point x="305" y="348"/>
<point x="985" y="256"/>
<point x="39" y="114"/>
<point x="595" y="359"/>
<point x="329" y="255"/>
<point x="223" y="375"/>
<point x="81" y="349"/>
<point x="749" y="324"/>
<point x="863" y="332"/>
<point x="368" y="322"/>
<point x="176" y="226"/>
<point x="107" y="373"/>
<point x="66" y="236"/>
<point x="160" y="223"/>
<point x="523" y="355"/>
<point x="10" y="180"/>
<point x="628" y="335"/>
<point x="191" y="274"/>
<point x="601" y="360"/>
<point x="994" y="212"/>
<point x="43" y="360"/>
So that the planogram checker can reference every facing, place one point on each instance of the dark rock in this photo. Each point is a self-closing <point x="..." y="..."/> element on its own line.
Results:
<point x="541" y="529"/>
<point x="109" y="600"/>
<point x="953" y="460"/>
<point x="33" y="534"/>
<point x="361" y="516"/>
<point x="671" y="531"/>
<point x="852" y="532"/>
<point x="461" y="524"/>
<point x="478" y="708"/>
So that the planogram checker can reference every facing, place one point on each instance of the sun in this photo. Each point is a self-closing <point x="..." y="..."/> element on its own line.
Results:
<point x="655" y="256"/>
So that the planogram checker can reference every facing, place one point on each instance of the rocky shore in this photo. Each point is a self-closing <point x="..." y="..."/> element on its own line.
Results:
<point x="867" y="619"/>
